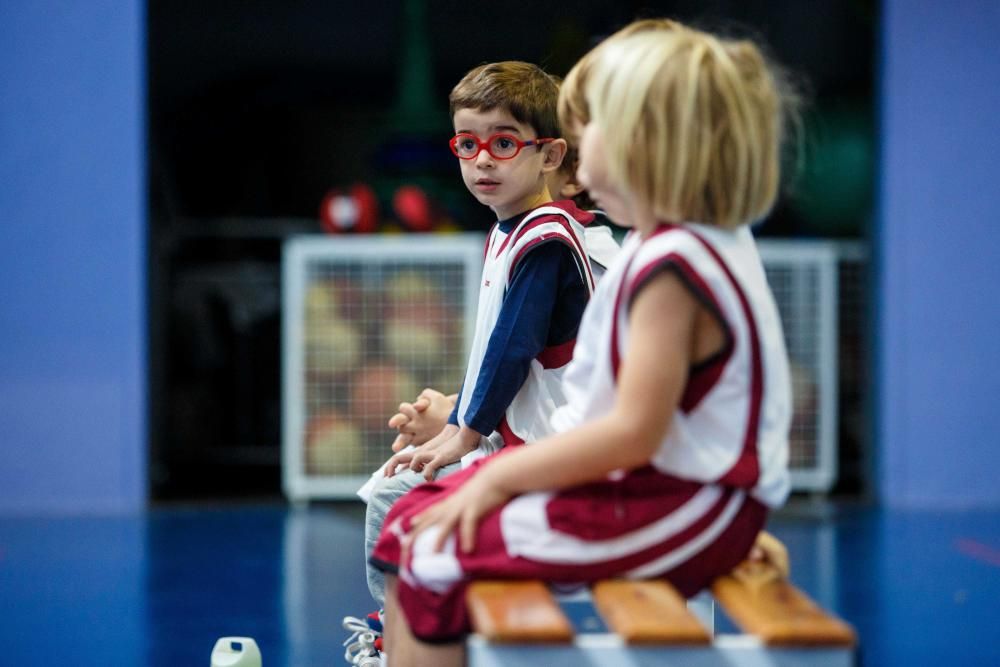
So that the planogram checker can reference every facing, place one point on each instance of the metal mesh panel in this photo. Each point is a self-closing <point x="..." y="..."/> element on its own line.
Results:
<point x="368" y="325"/>
<point x="369" y="322"/>
<point x="803" y="278"/>
<point x="796" y="290"/>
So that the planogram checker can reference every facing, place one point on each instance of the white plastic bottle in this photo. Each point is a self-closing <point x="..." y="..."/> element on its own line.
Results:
<point x="236" y="652"/>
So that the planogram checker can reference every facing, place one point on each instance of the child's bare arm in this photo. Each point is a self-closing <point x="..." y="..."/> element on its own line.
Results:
<point x="651" y="380"/>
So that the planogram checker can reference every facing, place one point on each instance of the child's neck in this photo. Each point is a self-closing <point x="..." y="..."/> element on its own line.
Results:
<point x="526" y="204"/>
<point x="644" y="221"/>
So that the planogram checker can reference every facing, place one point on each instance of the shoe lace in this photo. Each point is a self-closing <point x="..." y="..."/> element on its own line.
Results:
<point x="356" y="625"/>
<point x="360" y="645"/>
<point x="369" y="661"/>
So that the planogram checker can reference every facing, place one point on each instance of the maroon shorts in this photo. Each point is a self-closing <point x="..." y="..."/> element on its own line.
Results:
<point x="646" y="525"/>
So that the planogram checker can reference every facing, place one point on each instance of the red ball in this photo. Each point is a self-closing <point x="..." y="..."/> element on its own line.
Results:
<point x="413" y="208"/>
<point x="352" y="211"/>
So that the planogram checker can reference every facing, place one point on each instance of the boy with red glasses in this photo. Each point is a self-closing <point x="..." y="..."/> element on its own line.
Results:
<point x="537" y="279"/>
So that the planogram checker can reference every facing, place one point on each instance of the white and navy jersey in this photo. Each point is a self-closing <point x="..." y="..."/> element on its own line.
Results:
<point x="731" y="427"/>
<point x="537" y="279"/>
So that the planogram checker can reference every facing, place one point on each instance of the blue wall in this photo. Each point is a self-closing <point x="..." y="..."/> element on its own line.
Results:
<point x="938" y="254"/>
<point x="72" y="275"/>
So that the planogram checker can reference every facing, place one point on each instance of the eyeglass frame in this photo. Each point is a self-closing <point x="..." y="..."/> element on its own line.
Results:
<point x="485" y="145"/>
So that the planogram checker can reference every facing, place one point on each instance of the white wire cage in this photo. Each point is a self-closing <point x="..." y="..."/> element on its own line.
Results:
<point x="367" y="322"/>
<point x="812" y="282"/>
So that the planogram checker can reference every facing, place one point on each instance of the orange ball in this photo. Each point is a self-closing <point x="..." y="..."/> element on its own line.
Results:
<point x="334" y="446"/>
<point x="376" y="393"/>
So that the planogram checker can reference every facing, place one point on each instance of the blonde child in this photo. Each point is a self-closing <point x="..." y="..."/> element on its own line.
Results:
<point x="674" y="443"/>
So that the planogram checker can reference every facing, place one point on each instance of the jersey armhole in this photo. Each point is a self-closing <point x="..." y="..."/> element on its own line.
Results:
<point x="699" y="290"/>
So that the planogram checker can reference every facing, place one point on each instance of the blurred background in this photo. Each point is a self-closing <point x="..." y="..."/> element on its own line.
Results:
<point x="258" y="109"/>
<point x="158" y="158"/>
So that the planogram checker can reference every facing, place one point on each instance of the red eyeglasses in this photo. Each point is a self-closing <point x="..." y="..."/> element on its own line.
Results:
<point x="501" y="146"/>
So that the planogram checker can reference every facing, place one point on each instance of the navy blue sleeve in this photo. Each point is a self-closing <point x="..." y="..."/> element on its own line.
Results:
<point x="542" y="307"/>
<point x="453" y="419"/>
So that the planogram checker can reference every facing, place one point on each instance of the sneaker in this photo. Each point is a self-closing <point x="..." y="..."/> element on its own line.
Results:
<point x="374" y="621"/>
<point x="364" y="646"/>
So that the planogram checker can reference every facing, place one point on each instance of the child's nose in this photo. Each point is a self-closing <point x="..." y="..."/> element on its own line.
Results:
<point x="484" y="159"/>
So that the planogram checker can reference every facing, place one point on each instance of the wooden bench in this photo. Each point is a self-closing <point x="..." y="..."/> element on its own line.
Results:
<point x="649" y="623"/>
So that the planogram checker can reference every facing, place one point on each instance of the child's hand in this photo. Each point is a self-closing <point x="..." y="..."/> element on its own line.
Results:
<point x="421" y="420"/>
<point x="404" y="458"/>
<point x="451" y="450"/>
<point x="463" y="509"/>
<point x="769" y="549"/>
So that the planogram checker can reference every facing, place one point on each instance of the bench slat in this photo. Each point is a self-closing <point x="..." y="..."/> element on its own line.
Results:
<point x="517" y="611"/>
<point x="647" y="612"/>
<point x="763" y="603"/>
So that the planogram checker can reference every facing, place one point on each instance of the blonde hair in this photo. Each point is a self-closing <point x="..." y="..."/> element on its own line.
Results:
<point x="521" y="89"/>
<point x="692" y="124"/>
<point x="574" y="112"/>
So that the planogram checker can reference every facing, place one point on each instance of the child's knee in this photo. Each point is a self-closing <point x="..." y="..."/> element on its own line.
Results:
<point x="380" y="501"/>
<point x="390" y="489"/>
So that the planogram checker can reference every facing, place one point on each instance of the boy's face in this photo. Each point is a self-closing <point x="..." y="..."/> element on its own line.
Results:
<point x="509" y="186"/>
<point x="593" y="175"/>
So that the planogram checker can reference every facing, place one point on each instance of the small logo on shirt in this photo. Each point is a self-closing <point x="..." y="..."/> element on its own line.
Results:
<point x="487" y="283"/>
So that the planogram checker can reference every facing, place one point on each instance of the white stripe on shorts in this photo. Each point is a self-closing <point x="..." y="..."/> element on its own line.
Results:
<point x="433" y="570"/>
<point x="672" y="559"/>
<point x="526" y="531"/>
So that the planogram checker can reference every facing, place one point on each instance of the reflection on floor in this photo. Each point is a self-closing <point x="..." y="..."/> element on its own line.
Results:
<point x="921" y="588"/>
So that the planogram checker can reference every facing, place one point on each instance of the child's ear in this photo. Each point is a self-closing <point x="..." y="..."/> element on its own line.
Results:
<point x="570" y="189"/>
<point x="555" y="151"/>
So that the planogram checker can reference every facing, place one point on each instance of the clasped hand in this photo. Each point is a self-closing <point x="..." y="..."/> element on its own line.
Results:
<point x="449" y="446"/>
<point x="418" y="422"/>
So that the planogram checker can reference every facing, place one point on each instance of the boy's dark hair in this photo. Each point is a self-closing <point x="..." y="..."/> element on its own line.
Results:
<point x="571" y="160"/>
<point x="521" y="89"/>
<point x="569" y="164"/>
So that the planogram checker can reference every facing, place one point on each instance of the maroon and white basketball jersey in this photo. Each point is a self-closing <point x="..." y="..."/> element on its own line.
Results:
<point x="731" y="427"/>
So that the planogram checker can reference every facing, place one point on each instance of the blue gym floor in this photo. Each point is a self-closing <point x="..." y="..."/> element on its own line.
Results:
<point x="921" y="588"/>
